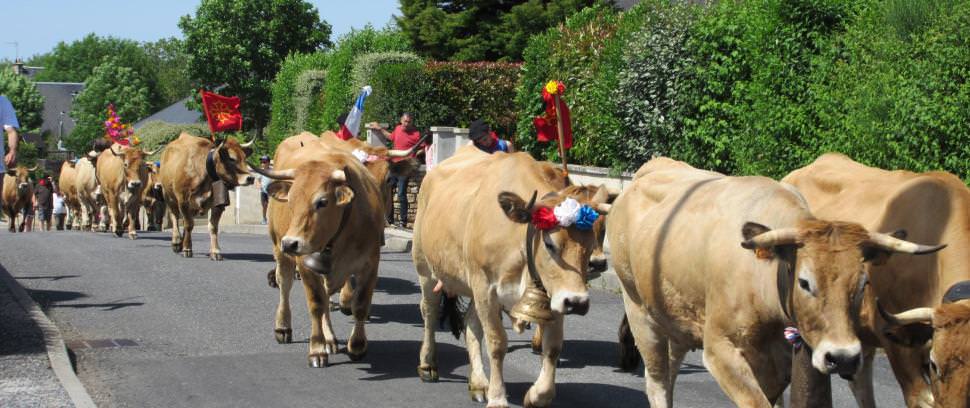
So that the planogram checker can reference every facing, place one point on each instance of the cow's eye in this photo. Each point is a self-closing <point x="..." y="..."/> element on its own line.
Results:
<point x="802" y="283"/>
<point x="322" y="202"/>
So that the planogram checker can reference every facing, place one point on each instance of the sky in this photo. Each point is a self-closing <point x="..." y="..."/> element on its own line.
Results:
<point x="38" y="25"/>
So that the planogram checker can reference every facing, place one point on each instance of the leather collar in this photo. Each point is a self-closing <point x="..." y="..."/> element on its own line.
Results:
<point x="210" y="166"/>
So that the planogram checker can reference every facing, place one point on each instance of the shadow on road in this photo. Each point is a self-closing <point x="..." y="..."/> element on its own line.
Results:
<point x="396" y="286"/>
<point x="51" y="277"/>
<point x="582" y="395"/>
<point x="384" y="361"/>
<point x="249" y="257"/>
<point x="396" y="313"/>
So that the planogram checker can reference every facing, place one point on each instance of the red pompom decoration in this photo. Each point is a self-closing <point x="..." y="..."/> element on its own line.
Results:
<point x="544" y="219"/>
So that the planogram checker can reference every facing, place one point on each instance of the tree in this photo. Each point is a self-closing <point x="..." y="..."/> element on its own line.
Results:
<point x="110" y="83"/>
<point x="76" y="61"/>
<point x="171" y="65"/>
<point x="481" y="30"/>
<point x="26" y="100"/>
<point x="241" y="44"/>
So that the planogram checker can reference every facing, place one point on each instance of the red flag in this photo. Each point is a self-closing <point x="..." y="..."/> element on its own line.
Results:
<point x="546" y="124"/>
<point x="222" y="112"/>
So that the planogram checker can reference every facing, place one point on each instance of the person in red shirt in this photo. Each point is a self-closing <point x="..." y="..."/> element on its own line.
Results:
<point x="404" y="136"/>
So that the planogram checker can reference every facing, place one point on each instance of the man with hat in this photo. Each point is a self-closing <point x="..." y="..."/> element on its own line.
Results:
<point x="486" y="140"/>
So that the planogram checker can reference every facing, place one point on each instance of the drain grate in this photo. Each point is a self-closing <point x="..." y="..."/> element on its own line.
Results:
<point x="99" y="343"/>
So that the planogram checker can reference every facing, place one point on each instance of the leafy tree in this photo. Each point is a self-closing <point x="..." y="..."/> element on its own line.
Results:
<point x="171" y="65"/>
<point x="76" y="61"/>
<point x="481" y="30"/>
<point x="241" y="43"/>
<point x="110" y="83"/>
<point x="25" y="98"/>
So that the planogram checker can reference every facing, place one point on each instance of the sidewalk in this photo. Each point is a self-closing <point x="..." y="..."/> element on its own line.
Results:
<point x="35" y="370"/>
<point x="400" y="241"/>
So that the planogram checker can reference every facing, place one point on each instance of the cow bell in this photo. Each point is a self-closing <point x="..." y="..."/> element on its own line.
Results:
<point x="534" y="307"/>
<point x="319" y="262"/>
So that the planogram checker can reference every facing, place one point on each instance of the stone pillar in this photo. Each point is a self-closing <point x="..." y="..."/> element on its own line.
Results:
<point x="375" y="137"/>
<point x="446" y="141"/>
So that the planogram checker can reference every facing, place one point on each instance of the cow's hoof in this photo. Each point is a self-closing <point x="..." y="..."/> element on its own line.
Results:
<point x="271" y="279"/>
<point x="357" y="348"/>
<point x="529" y="400"/>
<point x="477" y="395"/>
<point x="176" y="248"/>
<point x="346" y="310"/>
<point x="119" y="233"/>
<point x="186" y="253"/>
<point x="318" y="360"/>
<point x="215" y="256"/>
<point x="356" y="356"/>
<point x="133" y="235"/>
<point x="284" y="336"/>
<point x="428" y="374"/>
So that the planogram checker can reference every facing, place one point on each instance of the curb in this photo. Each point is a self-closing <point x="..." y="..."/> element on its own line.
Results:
<point x="56" y="351"/>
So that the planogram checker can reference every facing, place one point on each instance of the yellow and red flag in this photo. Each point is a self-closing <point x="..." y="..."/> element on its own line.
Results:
<point x="546" y="124"/>
<point x="222" y="112"/>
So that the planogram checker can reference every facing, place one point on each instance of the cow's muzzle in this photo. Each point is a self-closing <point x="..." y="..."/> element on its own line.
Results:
<point x="291" y="245"/>
<point x="842" y="360"/>
<point x="598" y="264"/>
<point x="134" y="184"/>
<point x="577" y="306"/>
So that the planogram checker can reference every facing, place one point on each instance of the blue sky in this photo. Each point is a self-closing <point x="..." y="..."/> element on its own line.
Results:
<point x="38" y="25"/>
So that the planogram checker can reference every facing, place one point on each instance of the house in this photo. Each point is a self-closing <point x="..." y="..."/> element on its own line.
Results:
<point x="176" y="113"/>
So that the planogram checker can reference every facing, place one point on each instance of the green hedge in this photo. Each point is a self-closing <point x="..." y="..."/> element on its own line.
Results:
<point x="290" y="82"/>
<point x="445" y="94"/>
<point x="156" y="133"/>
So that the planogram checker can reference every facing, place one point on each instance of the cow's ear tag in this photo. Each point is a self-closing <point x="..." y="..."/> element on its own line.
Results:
<point x="344" y="195"/>
<point x="764" y="253"/>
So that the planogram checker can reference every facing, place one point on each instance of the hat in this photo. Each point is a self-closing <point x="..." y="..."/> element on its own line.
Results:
<point x="478" y="129"/>
<point x="264" y="158"/>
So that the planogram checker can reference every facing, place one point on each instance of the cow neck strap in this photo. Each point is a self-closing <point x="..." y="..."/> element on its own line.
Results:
<point x="785" y="281"/>
<point x="210" y="165"/>
<point x="530" y="255"/>
<point x="340" y="228"/>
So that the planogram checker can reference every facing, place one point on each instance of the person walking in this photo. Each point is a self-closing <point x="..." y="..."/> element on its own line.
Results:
<point x="60" y="209"/>
<point x="43" y="203"/>
<point x="262" y="183"/>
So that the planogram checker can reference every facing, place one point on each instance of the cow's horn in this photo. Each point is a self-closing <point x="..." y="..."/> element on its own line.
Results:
<point x="891" y="243"/>
<point x="781" y="236"/>
<point x="249" y="143"/>
<point x="917" y="315"/>
<point x="275" y="174"/>
<point x="532" y="201"/>
<point x="151" y="152"/>
<point x="33" y="169"/>
<point x="93" y="154"/>
<point x="338" y="175"/>
<point x="398" y="153"/>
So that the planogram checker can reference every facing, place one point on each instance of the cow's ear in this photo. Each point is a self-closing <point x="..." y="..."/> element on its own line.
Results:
<point x="344" y="194"/>
<point x="514" y="207"/>
<point x="751" y="230"/>
<point x="279" y="190"/>
<point x="879" y="256"/>
<point x="248" y="151"/>
<point x="910" y="335"/>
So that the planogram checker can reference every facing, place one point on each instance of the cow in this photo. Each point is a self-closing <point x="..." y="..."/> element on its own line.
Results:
<point x="943" y="329"/>
<point x="88" y="191"/>
<point x="122" y="173"/>
<point x="17" y="193"/>
<point x="726" y="263"/>
<point x="324" y="201"/>
<point x="468" y="233"/>
<point x="932" y="207"/>
<point x="190" y="166"/>
<point x="153" y="200"/>
<point x="66" y="184"/>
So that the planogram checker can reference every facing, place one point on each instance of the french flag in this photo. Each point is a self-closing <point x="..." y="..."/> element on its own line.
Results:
<point x="351" y="126"/>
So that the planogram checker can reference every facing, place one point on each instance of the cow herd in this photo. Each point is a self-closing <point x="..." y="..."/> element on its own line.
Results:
<point x="838" y="259"/>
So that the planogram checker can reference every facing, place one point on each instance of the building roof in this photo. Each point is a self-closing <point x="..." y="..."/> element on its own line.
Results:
<point x="58" y="97"/>
<point x="175" y="113"/>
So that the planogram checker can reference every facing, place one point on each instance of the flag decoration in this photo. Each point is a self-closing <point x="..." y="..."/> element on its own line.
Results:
<point x="546" y="124"/>
<point x="222" y="112"/>
<point x="118" y="132"/>
<point x="351" y="127"/>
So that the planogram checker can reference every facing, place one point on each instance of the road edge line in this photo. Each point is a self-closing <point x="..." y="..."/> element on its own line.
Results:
<point x="56" y="350"/>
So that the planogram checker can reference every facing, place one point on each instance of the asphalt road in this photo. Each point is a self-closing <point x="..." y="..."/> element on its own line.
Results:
<point x="197" y="333"/>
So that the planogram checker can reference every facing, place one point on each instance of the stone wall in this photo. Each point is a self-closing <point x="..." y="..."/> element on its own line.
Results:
<point x="414" y="183"/>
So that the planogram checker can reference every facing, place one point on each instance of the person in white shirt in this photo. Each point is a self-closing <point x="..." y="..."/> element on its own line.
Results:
<point x="60" y="210"/>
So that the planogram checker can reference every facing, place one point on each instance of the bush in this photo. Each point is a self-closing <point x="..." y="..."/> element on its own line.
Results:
<point x="339" y="91"/>
<point x="283" y="122"/>
<point x="157" y="133"/>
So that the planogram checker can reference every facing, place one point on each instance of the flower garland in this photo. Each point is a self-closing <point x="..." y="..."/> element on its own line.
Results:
<point x="118" y="132"/>
<point x="569" y="212"/>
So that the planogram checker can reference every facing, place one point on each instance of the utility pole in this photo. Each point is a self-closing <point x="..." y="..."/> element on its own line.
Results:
<point x="16" y="47"/>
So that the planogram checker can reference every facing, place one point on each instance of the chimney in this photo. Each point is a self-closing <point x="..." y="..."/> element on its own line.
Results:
<point x="18" y="67"/>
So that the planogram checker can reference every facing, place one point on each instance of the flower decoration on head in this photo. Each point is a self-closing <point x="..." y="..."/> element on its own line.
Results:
<point x="544" y="218"/>
<point x="568" y="213"/>
<point x="116" y="131"/>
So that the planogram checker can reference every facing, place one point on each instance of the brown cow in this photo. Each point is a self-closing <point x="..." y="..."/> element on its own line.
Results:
<point x="17" y="193"/>
<point x="925" y="207"/>
<point x="944" y="330"/>
<point x="189" y="166"/>
<point x="66" y="183"/>
<point x="324" y="201"/>
<point x="700" y="267"/>
<point x="88" y="191"/>
<point x="469" y="231"/>
<point x="122" y="173"/>
<point x="153" y="200"/>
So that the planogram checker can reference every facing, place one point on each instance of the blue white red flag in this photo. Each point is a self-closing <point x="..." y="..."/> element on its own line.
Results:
<point x="352" y="124"/>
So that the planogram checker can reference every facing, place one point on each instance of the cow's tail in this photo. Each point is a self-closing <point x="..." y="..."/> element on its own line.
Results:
<point x="629" y="354"/>
<point x="453" y="311"/>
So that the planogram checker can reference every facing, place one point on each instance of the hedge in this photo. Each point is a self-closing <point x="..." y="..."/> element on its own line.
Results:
<point x="157" y="133"/>
<point x="290" y="82"/>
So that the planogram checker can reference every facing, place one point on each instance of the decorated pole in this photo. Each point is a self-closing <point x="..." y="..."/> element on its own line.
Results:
<point x="559" y="130"/>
